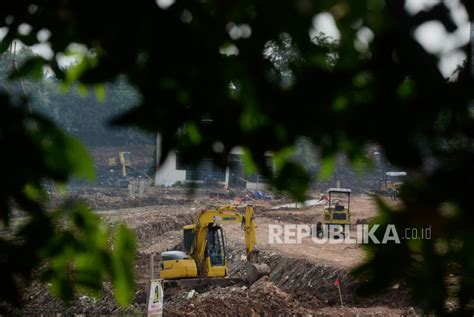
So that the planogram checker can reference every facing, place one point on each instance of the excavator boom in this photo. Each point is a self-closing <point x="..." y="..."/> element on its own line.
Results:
<point x="215" y="217"/>
<point x="205" y="246"/>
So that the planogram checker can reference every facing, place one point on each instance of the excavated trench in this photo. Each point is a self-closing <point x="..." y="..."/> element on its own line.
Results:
<point x="294" y="286"/>
<point x="315" y="284"/>
<point x="150" y="232"/>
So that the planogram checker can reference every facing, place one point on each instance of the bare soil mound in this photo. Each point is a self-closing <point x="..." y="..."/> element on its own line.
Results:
<point x="262" y="299"/>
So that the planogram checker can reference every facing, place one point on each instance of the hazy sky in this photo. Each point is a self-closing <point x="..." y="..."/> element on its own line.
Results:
<point x="431" y="35"/>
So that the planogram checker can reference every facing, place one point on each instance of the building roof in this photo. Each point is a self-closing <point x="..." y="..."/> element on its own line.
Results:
<point x="396" y="173"/>
<point x="339" y="190"/>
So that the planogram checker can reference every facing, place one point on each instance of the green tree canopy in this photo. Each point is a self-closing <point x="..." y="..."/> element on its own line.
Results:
<point x="202" y="65"/>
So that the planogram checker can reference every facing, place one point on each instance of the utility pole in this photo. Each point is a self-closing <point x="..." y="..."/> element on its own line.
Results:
<point x="472" y="49"/>
<point x="23" y="89"/>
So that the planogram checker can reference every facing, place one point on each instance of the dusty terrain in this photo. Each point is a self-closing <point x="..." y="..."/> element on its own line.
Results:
<point x="302" y="275"/>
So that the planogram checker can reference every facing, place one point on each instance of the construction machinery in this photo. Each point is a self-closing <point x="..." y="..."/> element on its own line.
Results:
<point x="120" y="176"/>
<point x="125" y="162"/>
<point x="337" y="211"/>
<point x="205" y="249"/>
<point x="124" y="176"/>
<point x="392" y="181"/>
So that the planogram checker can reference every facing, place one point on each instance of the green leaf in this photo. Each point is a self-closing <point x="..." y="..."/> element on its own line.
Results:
<point x="280" y="157"/>
<point x="35" y="192"/>
<point x="60" y="283"/>
<point x="62" y="288"/>
<point x="123" y="257"/>
<point x="249" y="165"/>
<point x="328" y="164"/>
<point x="82" y="90"/>
<point x="6" y="41"/>
<point x="33" y="66"/>
<point x="100" y="92"/>
<point x="406" y="89"/>
<point x="293" y="178"/>
<point x="193" y="133"/>
<point x="81" y="161"/>
<point x="340" y="104"/>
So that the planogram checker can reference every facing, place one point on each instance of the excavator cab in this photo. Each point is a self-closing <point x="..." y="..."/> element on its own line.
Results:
<point x="177" y="264"/>
<point x="214" y="255"/>
<point x="215" y="248"/>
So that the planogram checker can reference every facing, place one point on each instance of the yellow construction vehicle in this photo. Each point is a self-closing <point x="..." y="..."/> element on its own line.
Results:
<point x="337" y="212"/>
<point x="204" y="244"/>
<point x="125" y="162"/>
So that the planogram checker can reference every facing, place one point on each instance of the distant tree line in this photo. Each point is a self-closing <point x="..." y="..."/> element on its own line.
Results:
<point x="78" y="110"/>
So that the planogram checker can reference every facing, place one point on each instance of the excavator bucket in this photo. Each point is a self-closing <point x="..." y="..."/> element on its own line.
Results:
<point x="254" y="271"/>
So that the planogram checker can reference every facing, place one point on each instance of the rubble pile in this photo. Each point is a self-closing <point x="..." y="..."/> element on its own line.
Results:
<point x="263" y="298"/>
<point x="38" y="301"/>
<point x="107" y="198"/>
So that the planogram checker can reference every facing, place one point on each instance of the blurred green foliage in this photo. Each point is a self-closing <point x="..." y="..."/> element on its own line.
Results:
<point x="246" y="73"/>
<point x="69" y="246"/>
<point x="82" y="256"/>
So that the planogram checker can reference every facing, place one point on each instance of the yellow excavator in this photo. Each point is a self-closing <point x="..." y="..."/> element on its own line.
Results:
<point x="204" y="243"/>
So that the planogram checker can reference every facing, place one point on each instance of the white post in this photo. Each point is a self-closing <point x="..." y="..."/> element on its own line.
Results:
<point x="340" y="295"/>
<point x="157" y="157"/>
<point x="141" y="188"/>
<point x="227" y="176"/>
<point x="131" y="188"/>
<point x="152" y="266"/>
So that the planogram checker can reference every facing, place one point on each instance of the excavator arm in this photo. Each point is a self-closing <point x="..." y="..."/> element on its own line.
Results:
<point x="215" y="217"/>
<point x="250" y="234"/>
<point x="205" y="246"/>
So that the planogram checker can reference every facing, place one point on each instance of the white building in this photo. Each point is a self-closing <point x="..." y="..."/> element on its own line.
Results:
<point x="172" y="171"/>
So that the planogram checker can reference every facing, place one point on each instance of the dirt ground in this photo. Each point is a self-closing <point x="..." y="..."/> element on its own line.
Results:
<point x="301" y="281"/>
